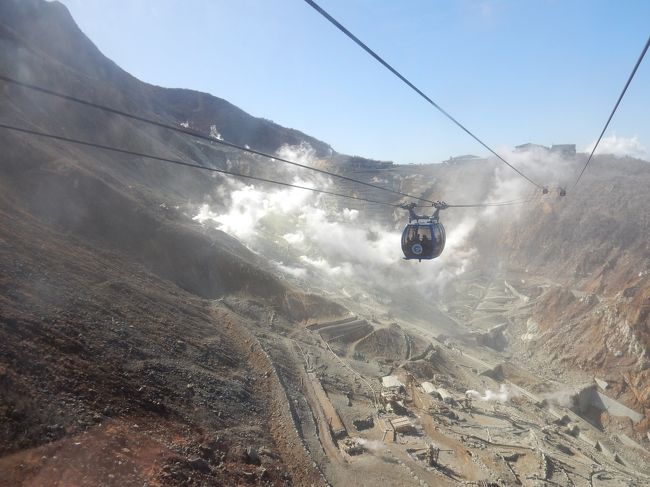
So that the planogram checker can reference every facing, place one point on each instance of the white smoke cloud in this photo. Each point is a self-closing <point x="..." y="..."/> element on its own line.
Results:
<point x="294" y="238"/>
<point x="292" y="271"/>
<point x="620" y="146"/>
<point x="250" y="205"/>
<point x="541" y="165"/>
<point x="562" y="397"/>
<point x="214" y="133"/>
<point x="456" y="258"/>
<point x="371" y="445"/>
<point x="310" y="239"/>
<point x="350" y="215"/>
<point x="333" y="270"/>
<point x="326" y="241"/>
<point x="302" y="154"/>
<point x="338" y="237"/>
<point x="503" y="395"/>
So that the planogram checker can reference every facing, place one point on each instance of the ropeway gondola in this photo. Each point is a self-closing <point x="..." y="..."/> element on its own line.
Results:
<point x="423" y="237"/>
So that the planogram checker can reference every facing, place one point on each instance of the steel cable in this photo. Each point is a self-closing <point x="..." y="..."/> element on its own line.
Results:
<point x="199" y="135"/>
<point x="620" y="97"/>
<point x="229" y="173"/>
<point x="360" y="43"/>
<point x="186" y="164"/>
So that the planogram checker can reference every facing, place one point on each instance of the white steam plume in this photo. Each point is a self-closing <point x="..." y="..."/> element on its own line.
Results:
<point x="371" y="445"/>
<point x="503" y="395"/>
<point x="341" y="248"/>
<point x="620" y="146"/>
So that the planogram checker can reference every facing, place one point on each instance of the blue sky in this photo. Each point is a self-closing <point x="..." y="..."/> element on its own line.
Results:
<point x="546" y="71"/>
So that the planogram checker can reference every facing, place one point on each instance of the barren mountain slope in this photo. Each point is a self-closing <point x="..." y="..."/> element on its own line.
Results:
<point x="107" y="372"/>
<point x="594" y="252"/>
<point x="583" y="264"/>
<point x="107" y="342"/>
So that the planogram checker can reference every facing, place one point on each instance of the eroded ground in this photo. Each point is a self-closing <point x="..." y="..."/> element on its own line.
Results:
<point x="114" y="380"/>
<point x="510" y="431"/>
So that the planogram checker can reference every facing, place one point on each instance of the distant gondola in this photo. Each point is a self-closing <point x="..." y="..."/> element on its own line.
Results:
<point x="423" y="236"/>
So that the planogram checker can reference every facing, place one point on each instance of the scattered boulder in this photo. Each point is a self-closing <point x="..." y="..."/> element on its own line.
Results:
<point x="572" y="429"/>
<point x="563" y="421"/>
<point x="601" y="383"/>
<point x="198" y="463"/>
<point x="206" y="451"/>
<point x="252" y="456"/>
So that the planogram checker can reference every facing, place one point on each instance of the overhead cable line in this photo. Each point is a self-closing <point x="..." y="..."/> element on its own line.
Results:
<point x="476" y="205"/>
<point x="360" y="43"/>
<point x="199" y="135"/>
<point x="179" y="162"/>
<point x="620" y="97"/>
<point x="484" y="205"/>
<point x="187" y="164"/>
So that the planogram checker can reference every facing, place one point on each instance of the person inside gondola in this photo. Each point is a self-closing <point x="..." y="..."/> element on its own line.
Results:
<point x="426" y="244"/>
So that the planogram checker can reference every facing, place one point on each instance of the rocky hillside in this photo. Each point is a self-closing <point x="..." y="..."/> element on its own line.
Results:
<point x="592" y="249"/>
<point x="44" y="45"/>
<point x="111" y="343"/>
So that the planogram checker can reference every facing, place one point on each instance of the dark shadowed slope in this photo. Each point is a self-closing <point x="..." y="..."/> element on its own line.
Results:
<point x="107" y="343"/>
